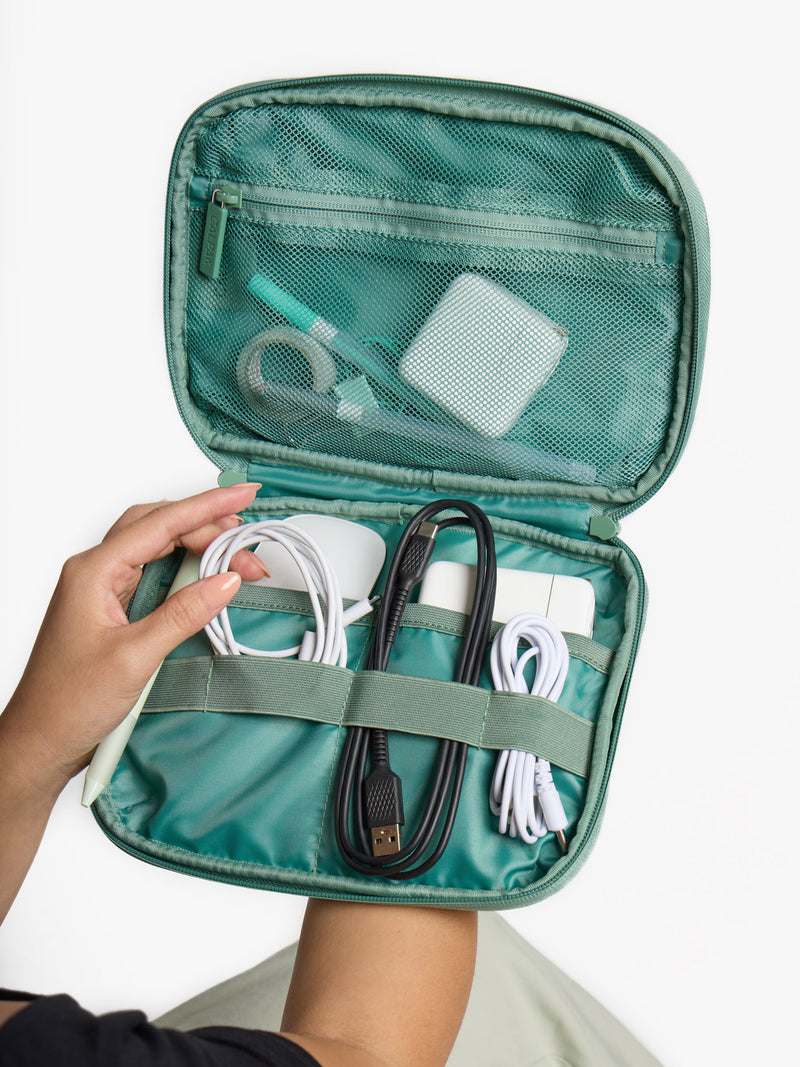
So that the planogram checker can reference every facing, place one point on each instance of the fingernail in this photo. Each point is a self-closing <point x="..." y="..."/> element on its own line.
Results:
<point x="230" y="522"/>
<point x="246" y="485"/>
<point x="261" y="564"/>
<point x="230" y="580"/>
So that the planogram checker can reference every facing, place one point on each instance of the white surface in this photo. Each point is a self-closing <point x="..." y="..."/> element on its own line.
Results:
<point x="683" y="921"/>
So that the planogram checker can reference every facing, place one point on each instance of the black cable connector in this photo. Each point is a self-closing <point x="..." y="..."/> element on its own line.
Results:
<point x="383" y="799"/>
<point x="383" y="810"/>
<point x="417" y="555"/>
<point x="413" y="565"/>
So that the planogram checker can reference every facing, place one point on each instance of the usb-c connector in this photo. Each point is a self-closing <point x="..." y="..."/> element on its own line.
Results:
<point x="417" y="556"/>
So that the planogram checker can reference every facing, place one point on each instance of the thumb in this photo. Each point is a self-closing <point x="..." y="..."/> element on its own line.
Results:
<point x="184" y="614"/>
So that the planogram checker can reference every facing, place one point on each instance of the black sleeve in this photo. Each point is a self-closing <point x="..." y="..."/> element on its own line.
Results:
<point x="58" y="1031"/>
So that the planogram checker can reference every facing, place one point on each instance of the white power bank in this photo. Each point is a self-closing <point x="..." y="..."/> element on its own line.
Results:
<point x="355" y="553"/>
<point x="568" y="602"/>
<point x="482" y="354"/>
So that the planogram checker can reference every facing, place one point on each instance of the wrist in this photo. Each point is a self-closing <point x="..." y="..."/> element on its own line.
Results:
<point x="28" y="791"/>
<point x="27" y="763"/>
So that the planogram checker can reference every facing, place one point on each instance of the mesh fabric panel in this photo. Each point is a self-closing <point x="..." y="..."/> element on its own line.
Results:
<point x="438" y="159"/>
<point x="368" y="216"/>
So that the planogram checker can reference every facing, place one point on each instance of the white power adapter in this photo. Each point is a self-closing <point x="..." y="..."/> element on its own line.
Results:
<point x="482" y="354"/>
<point x="566" y="601"/>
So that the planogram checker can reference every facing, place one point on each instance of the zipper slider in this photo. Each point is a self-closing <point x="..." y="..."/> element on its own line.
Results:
<point x="222" y="198"/>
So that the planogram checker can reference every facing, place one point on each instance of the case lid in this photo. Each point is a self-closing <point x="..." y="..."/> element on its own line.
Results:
<point x="431" y="282"/>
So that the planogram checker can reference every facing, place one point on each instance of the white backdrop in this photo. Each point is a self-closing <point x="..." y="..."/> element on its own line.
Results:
<point x="683" y="920"/>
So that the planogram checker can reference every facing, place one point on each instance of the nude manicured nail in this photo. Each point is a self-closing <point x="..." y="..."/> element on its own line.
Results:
<point x="261" y="564"/>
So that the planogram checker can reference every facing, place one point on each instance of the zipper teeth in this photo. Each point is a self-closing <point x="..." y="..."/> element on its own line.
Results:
<point x="259" y="883"/>
<point x="208" y="876"/>
<point x="449" y="223"/>
<point x="263" y="883"/>
<point x="578" y="105"/>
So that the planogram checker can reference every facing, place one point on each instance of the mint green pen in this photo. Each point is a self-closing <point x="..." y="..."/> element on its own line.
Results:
<point x="329" y="335"/>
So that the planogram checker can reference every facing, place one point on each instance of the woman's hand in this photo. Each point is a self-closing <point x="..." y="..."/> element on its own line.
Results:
<point x="89" y="663"/>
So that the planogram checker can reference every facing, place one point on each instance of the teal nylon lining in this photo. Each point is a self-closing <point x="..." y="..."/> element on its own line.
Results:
<point x="570" y="518"/>
<point x="322" y="693"/>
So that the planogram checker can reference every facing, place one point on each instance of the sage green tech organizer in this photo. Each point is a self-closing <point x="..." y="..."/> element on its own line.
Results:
<point x="365" y="198"/>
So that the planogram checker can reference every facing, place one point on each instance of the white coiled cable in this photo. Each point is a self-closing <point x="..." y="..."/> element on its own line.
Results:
<point x="329" y="644"/>
<point x="523" y="793"/>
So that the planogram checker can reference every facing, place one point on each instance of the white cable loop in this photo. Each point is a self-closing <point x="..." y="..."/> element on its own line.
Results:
<point x="523" y="793"/>
<point x="329" y="641"/>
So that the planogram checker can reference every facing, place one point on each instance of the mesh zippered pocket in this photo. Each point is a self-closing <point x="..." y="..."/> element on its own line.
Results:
<point x="599" y="417"/>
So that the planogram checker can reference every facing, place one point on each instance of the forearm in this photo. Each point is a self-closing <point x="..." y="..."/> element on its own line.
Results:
<point x="389" y="981"/>
<point x="27" y="795"/>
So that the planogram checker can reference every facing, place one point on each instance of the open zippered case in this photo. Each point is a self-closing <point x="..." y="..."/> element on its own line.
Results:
<point x="415" y="216"/>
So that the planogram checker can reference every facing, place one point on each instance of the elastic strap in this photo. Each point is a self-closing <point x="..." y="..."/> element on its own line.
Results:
<point x="479" y="717"/>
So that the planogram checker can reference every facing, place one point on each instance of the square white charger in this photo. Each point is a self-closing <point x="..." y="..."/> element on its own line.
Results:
<point x="482" y="354"/>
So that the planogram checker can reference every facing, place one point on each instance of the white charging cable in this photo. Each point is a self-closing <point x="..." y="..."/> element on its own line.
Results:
<point x="523" y="793"/>
<point x="329" y="643"/>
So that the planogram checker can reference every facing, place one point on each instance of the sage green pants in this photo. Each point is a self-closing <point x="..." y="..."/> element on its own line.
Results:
<point x="523" y="1011"/>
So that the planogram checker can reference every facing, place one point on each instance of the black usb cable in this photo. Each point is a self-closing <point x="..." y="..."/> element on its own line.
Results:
<point x="375" y="800"/>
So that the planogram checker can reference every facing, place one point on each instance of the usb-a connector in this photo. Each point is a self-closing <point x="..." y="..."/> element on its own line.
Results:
<point x="385" y="840"/>
<point x="383" y="807"/>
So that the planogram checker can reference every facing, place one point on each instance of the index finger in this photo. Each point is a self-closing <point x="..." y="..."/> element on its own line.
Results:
<point x="158" y="532"/>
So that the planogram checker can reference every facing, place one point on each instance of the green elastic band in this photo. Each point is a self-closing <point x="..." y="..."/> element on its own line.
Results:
<point x="321" y="693"/>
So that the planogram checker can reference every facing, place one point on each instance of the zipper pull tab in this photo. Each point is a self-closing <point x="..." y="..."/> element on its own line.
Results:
<point x="603" y="527"/>
<point x="214" y="233"/>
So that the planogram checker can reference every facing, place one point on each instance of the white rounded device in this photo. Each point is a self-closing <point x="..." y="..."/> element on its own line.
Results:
<point x="355" y="553"/>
